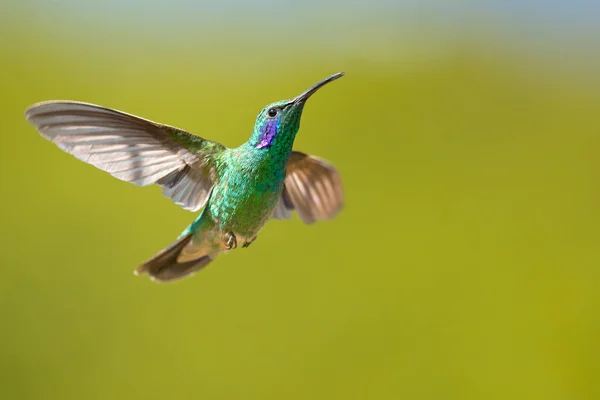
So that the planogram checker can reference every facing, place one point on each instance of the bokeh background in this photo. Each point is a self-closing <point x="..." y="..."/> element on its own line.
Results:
<point x="465" y="264"/>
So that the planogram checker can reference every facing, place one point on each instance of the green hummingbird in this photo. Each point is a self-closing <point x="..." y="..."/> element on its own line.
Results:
<point x="238" y="189"/>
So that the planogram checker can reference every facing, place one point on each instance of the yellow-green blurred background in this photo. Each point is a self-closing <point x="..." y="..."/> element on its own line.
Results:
<point x="464" y="265"/>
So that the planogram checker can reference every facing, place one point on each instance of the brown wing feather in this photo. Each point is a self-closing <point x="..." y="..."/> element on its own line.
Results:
<point x="313" y="188"/>
<point x="131" y="148"/>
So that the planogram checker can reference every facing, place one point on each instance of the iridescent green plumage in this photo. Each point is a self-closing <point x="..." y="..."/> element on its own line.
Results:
<point x="240" y="189"/>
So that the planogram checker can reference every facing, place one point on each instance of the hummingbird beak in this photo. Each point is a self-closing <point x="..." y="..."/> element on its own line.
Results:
<point x="304" y="96"/>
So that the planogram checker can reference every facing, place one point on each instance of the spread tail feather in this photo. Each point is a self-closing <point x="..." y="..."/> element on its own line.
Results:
<point x="165" y="267"/>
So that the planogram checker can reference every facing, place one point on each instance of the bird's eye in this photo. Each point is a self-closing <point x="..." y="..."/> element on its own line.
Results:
<point x="272" y="112"/>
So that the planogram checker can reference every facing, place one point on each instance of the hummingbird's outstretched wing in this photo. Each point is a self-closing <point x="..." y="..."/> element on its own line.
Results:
<point x="132" y="149"/>
<point x="312" y="187"/>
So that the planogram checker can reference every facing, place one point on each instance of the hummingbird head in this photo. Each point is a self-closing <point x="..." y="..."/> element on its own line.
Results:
<point x="278" y="123"/>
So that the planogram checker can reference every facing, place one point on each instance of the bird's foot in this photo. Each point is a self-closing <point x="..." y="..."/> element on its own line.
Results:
<point x="230" y="241"/>
<point x="249" y="242"/>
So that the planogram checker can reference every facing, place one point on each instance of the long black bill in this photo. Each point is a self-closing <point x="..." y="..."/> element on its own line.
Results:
<point x="304" y="96"/>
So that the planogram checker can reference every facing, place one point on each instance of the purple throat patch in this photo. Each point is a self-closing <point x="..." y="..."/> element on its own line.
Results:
<point x="268" y="134"/>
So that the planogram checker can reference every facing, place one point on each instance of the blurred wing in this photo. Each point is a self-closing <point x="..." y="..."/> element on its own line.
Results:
<point x="281" y="210"/>
<point x="313" y="188"/>
<point x="130" y="148"/>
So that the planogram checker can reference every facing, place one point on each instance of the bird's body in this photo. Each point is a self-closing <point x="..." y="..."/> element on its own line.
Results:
<point x="239" y="189"/>
<point x="252" y="182"/>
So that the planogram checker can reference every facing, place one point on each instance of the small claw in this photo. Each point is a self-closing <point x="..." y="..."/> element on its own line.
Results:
<point x="249" y="242"/>
<point x="230" y="241"/>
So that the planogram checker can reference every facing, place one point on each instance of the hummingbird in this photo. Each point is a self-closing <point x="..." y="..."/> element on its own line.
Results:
<point x="238" y="189"/>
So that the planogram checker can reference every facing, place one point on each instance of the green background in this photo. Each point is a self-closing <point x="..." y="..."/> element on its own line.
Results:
<point x="464" y="265"/>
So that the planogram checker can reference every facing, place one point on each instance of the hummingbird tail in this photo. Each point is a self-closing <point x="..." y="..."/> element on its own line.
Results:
<point x="169" y="265"/>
